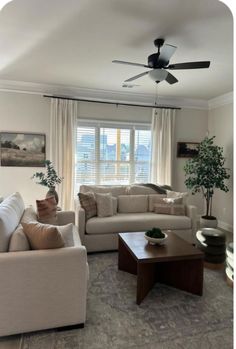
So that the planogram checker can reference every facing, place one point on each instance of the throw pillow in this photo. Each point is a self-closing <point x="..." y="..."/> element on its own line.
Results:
<point x="47" y="210"/>
<point x="154" y="199"/>
<point x="18" y="241"/>
<point x="29" y="215"/>
<point x="176" y="194"/>
<point x="67" y="234"/>
<point x="88" y="203"/>
<point x="173" y="200"/>
<point x="42" y="236"/>
<point x="104" y="205"/>
<point x="169" y="208"/>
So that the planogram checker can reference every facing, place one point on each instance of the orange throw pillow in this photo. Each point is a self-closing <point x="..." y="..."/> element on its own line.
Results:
<point x="42" y="236"/>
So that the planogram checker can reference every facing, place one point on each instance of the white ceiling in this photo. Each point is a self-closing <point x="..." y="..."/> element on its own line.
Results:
<point x="73" y="43"/>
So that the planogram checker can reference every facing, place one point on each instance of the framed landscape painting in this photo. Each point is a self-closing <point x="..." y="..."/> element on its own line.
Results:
<point x="22" y="149"/>
<point x="187" y="149"/>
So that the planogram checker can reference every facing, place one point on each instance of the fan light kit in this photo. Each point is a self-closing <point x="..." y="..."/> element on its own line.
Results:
<point x="3" y="3"/>
<point x="159" y="64"/>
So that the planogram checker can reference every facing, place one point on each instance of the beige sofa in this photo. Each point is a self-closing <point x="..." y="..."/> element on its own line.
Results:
<point x="100" y="233"/>
<point x="39" y="289"/>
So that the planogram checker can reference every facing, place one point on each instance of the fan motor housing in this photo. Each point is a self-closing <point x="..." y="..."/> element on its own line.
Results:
<point x="152" y="61"/>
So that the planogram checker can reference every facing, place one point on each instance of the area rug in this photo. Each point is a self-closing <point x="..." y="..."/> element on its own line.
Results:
<point x="167" y="318"/>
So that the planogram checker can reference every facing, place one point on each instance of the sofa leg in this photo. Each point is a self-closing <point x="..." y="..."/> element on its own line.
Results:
<point x="70" y="327"/>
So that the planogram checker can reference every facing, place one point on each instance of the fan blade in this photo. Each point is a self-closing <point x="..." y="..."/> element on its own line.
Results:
<point x="137" y="76"/>
<point x="171" y="79"/>
<point x="190" y="65"/>
<point x="166" y="53"/>
<point x="131" y="63"/>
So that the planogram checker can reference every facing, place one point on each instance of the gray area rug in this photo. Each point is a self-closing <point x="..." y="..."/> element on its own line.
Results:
<point x="166" y="319"/>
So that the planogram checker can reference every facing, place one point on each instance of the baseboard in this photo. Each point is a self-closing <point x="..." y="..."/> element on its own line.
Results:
<point x="225" y="226"/>
<point x="221" y="224"/>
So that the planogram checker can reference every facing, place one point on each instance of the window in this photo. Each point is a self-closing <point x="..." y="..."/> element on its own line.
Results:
<point x="112" y="153"/>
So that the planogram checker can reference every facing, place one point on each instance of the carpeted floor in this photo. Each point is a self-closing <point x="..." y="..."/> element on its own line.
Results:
<point x="166" y="319"/>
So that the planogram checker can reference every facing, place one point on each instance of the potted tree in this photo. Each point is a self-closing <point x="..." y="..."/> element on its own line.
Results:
<point x="205" y="173"/>
<point x="49" y="179"/>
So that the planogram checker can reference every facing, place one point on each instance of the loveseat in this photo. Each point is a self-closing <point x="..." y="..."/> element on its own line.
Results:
<point x="40" y="289"/>
<point x="101" y="233"/>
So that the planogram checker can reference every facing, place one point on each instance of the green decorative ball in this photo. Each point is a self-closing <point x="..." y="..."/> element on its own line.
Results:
<point x="155" y="233"/>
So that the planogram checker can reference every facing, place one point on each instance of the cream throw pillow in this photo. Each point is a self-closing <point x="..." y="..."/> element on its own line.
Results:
<point x="19" y="241"/>
<point x="169" y="208"/>
<point x="176" y="195"/>
<point x="104" y="205"/>
<point x="43" y="236"/>
<point x="67" y="234"/>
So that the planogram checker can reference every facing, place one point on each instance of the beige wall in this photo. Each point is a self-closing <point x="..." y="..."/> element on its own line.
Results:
<point x="220" y="124"/>
<point x="23" y="113"/>
<point x="191" y="126"/>
<point x="30" y="113"/>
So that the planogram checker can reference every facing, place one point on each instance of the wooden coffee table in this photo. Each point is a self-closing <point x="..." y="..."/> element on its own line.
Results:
<point x="176" y="263"/>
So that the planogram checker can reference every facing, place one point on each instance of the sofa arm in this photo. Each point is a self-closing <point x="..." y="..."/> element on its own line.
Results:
<point x="65" y="217"/>
<point x="191" y="212"/>
<point x="81" y="223"/>
<point x="42" y="289"/>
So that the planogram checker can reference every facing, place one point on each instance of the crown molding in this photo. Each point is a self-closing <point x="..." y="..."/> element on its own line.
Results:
<point x="100" y="95"/>
<point x="219" y="101"/>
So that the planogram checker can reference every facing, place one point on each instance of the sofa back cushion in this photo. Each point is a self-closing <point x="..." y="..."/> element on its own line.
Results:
<point x="104" y="204"/>
<point x="140" y="190"/>
<point x="115" y="190"/>
<point x="132" y="203"/>
<point x="155" y="199"/>
<point x="11" y="211"/>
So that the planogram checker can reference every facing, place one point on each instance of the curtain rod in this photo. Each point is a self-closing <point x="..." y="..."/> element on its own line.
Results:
<point x="115" y="103"/>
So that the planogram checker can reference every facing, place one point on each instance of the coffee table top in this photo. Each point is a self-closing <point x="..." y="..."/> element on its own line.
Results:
<point x="174" y="248"/>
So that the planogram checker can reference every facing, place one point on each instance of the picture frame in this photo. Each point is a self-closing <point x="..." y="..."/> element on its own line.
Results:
<point x="22" y="149"/>
<point x="187" y="149"/>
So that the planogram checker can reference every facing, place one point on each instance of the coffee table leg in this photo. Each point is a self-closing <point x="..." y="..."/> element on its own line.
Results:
<point x="126" y="261"/>
<point x="146" y="277"/>
<point x="184" y="275"/>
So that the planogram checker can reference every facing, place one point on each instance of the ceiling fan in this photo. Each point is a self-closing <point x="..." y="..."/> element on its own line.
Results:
<point x="159" y="64"/>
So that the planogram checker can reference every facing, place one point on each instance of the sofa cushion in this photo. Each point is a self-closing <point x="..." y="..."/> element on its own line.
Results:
<point x="11" y="211"/>
<point x="104" y="204"/>
<point x="140" y="190"/>
<point x="19" y="241"/>
<point x="132" y="203"/>
<point x="123" y="222"/>
<point x="115" y="190"/>
<point x="47" y="210"/>
<point x="43" y="236"/>
<point x="154" y="199"/>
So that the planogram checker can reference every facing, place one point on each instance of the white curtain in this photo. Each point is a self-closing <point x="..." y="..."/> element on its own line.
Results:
<point x="62" y="147"/>
<point x="163" y="123"/>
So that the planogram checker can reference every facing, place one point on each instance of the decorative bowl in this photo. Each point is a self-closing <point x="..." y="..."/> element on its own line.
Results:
<point x="156" y="241"/>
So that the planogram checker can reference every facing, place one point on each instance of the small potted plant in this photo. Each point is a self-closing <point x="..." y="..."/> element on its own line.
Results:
<point x="205" y="173"/>
<point x="49" y="179"/>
